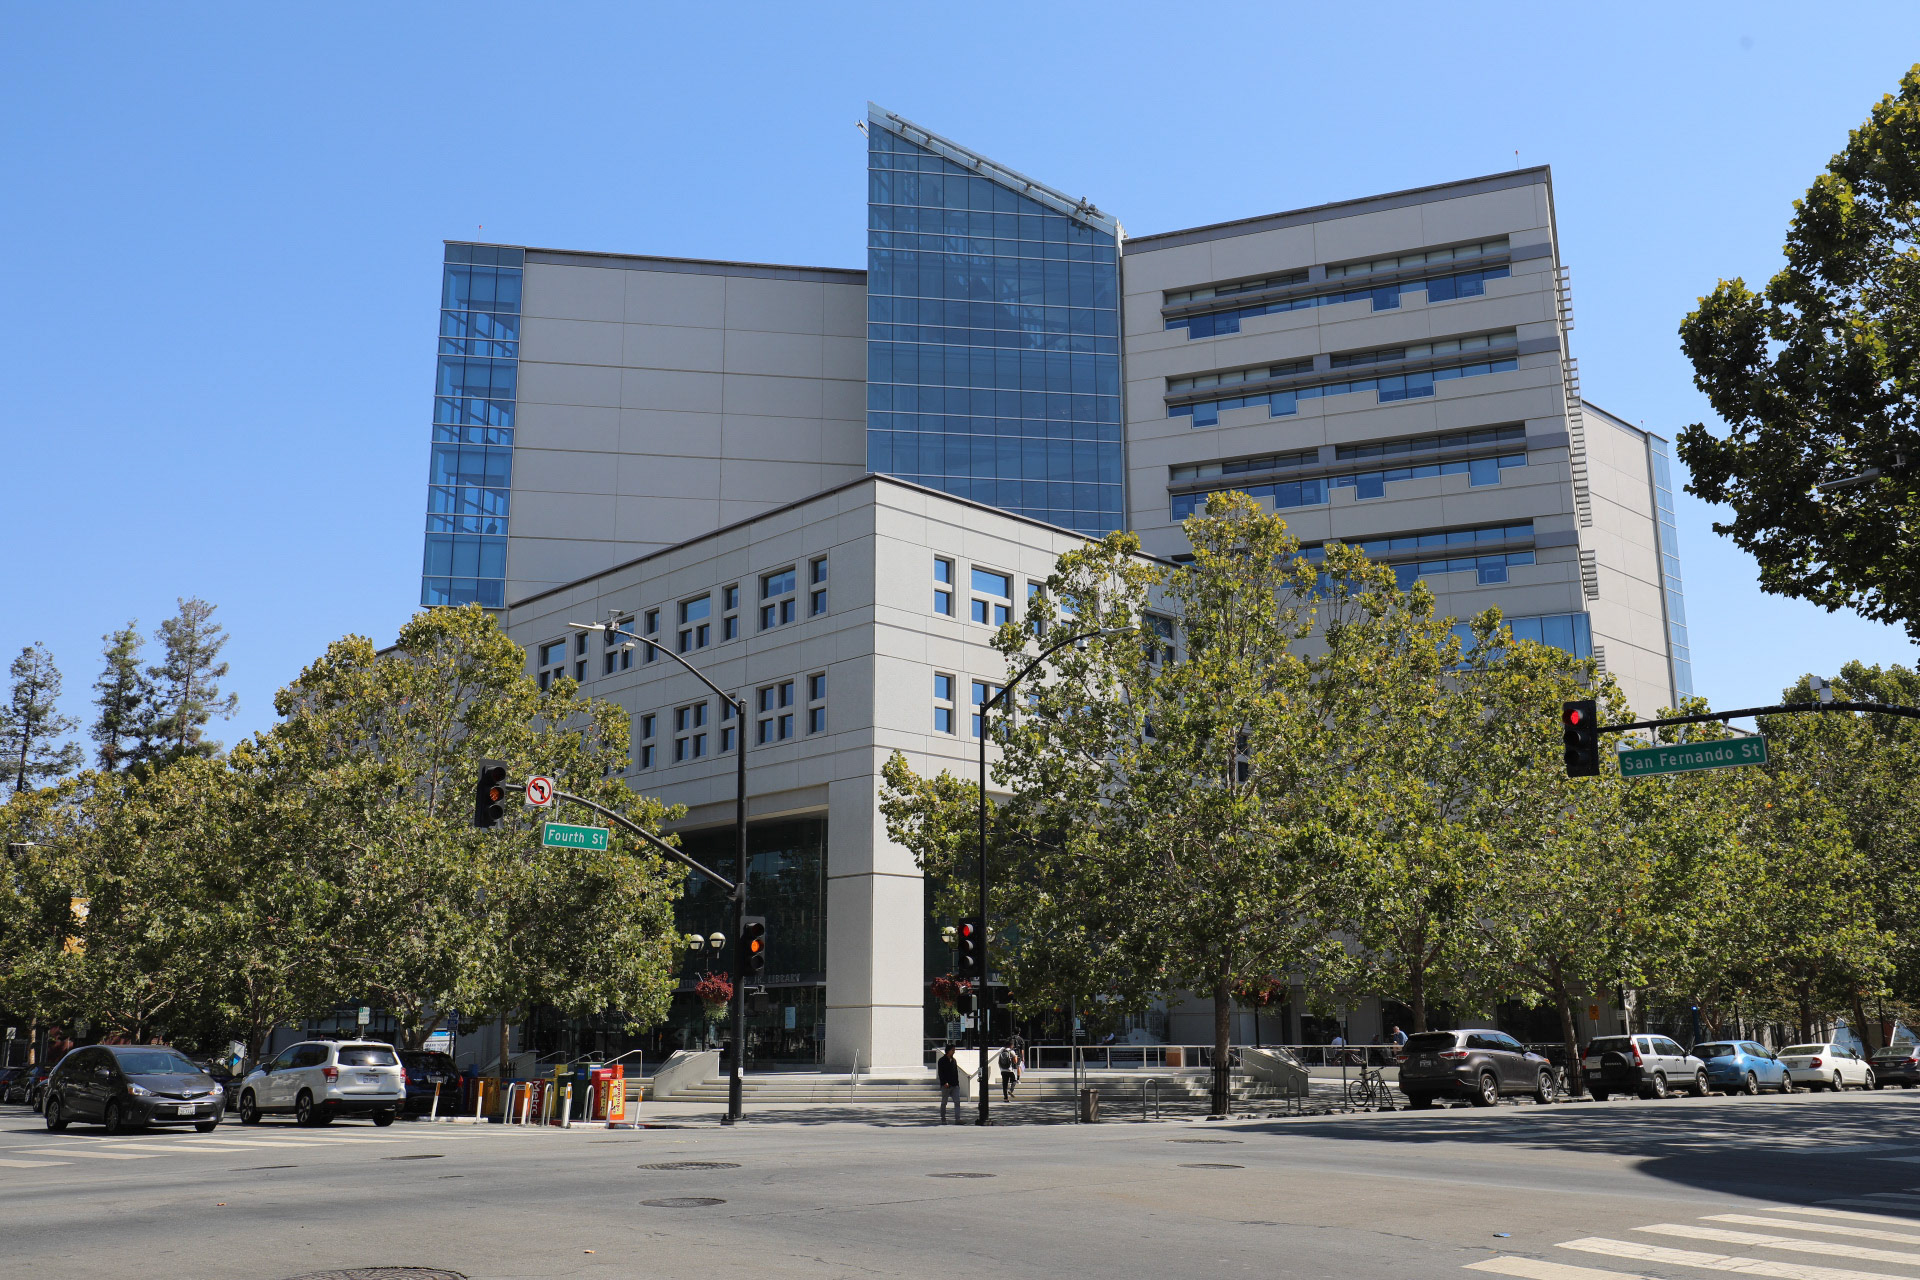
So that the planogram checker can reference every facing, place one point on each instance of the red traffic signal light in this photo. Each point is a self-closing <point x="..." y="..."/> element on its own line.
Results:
<point x="1580" y="733"/>
<point x="753" y="947"/>
<point x="970" y="949"/>
<point x="489" y="793"/>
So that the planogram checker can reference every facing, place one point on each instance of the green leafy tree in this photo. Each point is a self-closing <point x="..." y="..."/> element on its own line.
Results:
<point x="185" y="686"/>
<point x="31" y="726"/>
<point x="1177" y="818"/>
<point x="121" y="694"/>
<point x="380" y="747"/>
<point x="1816" y="378"/>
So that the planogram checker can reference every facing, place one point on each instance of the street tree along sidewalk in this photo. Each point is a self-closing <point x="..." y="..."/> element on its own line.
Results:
<point x="1818" y="379"/>
<point x="330" y="860"/>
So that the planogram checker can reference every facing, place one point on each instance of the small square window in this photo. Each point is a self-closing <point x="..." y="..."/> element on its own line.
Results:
<point x="816" y="688"/>
<point x="816" y="719"/>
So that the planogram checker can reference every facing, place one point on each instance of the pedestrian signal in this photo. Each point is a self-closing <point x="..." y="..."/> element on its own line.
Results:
<point x="1580" y="729"/>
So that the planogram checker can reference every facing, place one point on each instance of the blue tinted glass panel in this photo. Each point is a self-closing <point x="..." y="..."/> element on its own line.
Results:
<point x="993" y="335"/>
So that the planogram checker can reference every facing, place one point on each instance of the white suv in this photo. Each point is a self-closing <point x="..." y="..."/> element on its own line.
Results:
<point x="317" y="1080"/>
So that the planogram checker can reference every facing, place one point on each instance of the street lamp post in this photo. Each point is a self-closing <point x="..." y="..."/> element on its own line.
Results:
<point x="980" y="1027"/>
<point x="739" y="704"/>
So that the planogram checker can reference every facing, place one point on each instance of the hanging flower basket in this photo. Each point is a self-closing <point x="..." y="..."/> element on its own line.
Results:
<point x="948" y="991"/>
<point x="1259" y="992"/>
<point x="715" y="992"/>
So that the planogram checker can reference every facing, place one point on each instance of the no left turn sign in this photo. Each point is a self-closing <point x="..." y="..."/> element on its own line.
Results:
<point x="539" y="792"/>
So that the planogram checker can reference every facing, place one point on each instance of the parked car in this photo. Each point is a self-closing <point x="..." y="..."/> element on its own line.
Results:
<point x="131" y="1086"/>
<point x="427" y="1070"/>
<point x="1827" y="1066"/>
<point x="8" y="1077"/>
<point x="1741" y="1066"/>
<point x="1897" y="1066"/>
<point x="31" y="1087"/>
<point x="318" y="1081"/>
<point x="229" y="1082"/>
<point x="1651" y="1066"/>
<point x="1475" y="1064"/>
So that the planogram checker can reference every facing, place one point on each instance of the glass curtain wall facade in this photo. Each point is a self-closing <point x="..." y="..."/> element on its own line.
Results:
<point x="470" y="479"/>
<point x="993" y="334"/>
<point x="1675" y="598"/>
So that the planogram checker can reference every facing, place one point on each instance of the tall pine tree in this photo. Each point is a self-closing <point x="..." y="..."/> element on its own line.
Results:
<point x="122" y="694"/>
<point x="186" y="686"/>
<point x="31" y="726"/>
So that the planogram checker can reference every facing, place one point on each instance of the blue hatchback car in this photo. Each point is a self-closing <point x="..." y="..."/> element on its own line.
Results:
<point x="1741" y="1066"/>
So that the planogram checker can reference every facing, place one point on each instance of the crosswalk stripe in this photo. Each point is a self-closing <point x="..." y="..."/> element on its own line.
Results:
<point x="1873" y="1204"/>
<point x="1541" y="1269"/>
<point x="1893" y="1197"/>
<point x="30" y="1164"/>
<point x="85" y="1155"/>
<point x="1829" y="1228"/>
<point x="1845" y="1215"/>
<point x="1716" y="1261"/>
<point x="1827" y="1248"/>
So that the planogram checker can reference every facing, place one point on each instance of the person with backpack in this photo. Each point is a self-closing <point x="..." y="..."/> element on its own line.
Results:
<point x="1009" y="1063"/>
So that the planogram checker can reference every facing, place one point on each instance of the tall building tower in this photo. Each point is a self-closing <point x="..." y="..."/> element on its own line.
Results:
<point x="993" y="328"/>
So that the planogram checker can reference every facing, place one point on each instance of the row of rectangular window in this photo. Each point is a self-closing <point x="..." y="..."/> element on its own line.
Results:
<point x="484" y="326"/>
<point x="467" y="287"/>
<point x="1016" y="340"/>
<point x="1003" y="457"/>
<point x="987" y="241"/>
<point x="1285" y="494"/>
<point x="1403" y="386"/>
<point x="780" y="713"/>
<point x="995" y="368"/>
<point x="1469" y="345"/>
<point x="504" y="255"/>
<point x="1339" y="270"/>
<point x="488" y="593"/>
<point x="958" y="313"/>
<point x="1569" y="632"/>
<point x="463" y="411"/>
<point x="492" y="526"/>
<point x="1470" y="284"/>
<point x="1030" y="282"/>
<point x="945" y="715"/>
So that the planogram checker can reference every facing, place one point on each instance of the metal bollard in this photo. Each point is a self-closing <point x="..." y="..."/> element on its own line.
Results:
<point x="566" y="1107"/>
<point x="433" y="1112"/>
<point x="479" y="1098"/>
<point x="526" y="1104"/>
<point x="587" y="1111"/>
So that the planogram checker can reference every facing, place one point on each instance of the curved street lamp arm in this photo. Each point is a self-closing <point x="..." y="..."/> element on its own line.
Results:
<point x="648" y="836"/>
<point x="1046" y="653"/>
<point x="699" y="675"/>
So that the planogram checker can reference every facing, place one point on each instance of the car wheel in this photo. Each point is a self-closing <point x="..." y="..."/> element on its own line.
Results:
<point x="1873" y="1081"/>
<point x="115" y="1119"/>
<point x="1786" y="1083"/>
<point x="303" y="1113"/>
<point x="205" y="1126"/>
<point x="249" y="1108"/>
<point x="1488" y="1093"/>
<point x="1700" y="1084"/>
<point x="1656" y="1087"/>
<point x="1547" y="1091"/>
<point x="383" y="1118"/>
<point x="1838" y="1083"/>
<point x="1753" y="1085"/>
<point x="56" y="1115"/>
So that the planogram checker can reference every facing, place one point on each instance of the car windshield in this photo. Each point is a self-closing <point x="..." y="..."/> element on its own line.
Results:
<point x="1893" y="1053"/>
<point x="1804" y="1048"/>
<point x="1429" y="1042"/>
<point x="1715" y="1050"/>
<point x="1607" y="1044"/>
<point x="155" y="1062"/>
<point x="367" y="1055"/>
<point x="427" y="1060"/>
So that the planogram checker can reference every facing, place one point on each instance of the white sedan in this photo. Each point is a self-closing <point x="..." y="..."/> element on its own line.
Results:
<point x="1826" y="1066"/>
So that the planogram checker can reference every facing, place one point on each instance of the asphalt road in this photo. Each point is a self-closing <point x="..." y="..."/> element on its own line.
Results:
<point x="1804" y="1188"/>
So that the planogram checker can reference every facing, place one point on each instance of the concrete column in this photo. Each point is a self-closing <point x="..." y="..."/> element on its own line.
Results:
<point x="876" y="916"/>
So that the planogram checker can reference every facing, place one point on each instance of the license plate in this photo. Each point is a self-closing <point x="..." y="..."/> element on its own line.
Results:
<point x="1428" y="1062"/>
<point x="184" y="1110"/>
<point x="369" y="1077"/>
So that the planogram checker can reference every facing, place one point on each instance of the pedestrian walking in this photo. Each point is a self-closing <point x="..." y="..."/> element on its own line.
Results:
<point x="948" y="1071"/>
<point x="1009" y="1072"/>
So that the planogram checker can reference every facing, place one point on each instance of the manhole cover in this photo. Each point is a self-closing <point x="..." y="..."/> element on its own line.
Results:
<point x="1213" y="1166"/>
<point x="682" y="1202"/>
<point x="692" y="1164"/>
<point x="1210" y="1142"/>
<point x="381" y="1273"/>
<point x="433" y="1155"/>
<point x="963" y="1175"/>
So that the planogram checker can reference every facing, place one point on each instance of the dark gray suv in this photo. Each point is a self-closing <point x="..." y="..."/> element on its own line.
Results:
<point x="1476" y="1064"/>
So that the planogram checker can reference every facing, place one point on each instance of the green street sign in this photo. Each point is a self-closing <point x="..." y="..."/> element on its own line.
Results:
<point x="564" y="835"/>
<point x="1727" y="753"/>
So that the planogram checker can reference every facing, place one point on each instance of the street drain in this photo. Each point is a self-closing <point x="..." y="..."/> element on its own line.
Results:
<point x="381" y="1273"/>
<point x="1213" y="1166"/>
<point x="435" y="1155"/>
<point x="692" y="1164"/>
<point x="961" y="1175"/>
<point x="1209" y="1142"/>
<point x="682" y="1202"/>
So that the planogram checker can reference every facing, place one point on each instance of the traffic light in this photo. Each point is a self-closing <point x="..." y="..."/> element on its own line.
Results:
<point x="1580" y="728"/>
<point x="968" y="944"/>
<point x="753" y="947"/>
<point x="489" y="793"/>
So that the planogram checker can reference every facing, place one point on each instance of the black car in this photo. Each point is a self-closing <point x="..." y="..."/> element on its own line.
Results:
<point x="130" y="1086"/>
<point x="1478" y="1065"/>
<point x="10" y="1077"/>
<point x="428" y="1069"/>
<point x="1896" y="1066"/>
<point x="29" y="1086"/>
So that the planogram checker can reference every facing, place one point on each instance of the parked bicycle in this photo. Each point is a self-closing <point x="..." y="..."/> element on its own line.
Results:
<point x="1369" y="1091"/>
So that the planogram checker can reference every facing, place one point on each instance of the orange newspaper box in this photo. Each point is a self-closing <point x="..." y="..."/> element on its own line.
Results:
<point x="610" y="1093"/>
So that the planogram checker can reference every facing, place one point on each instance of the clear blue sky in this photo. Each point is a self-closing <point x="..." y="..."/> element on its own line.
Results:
<point x="225" y="232"/>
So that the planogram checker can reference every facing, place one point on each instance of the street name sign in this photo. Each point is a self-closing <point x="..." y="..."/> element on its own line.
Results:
<point x="564" y="835"/>
<point x="1727" y="753"/>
